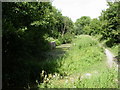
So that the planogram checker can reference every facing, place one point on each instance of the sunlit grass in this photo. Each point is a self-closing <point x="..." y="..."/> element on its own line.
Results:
<point x="83" y="66"/>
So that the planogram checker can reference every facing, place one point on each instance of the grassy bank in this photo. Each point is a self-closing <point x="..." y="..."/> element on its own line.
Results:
<point x="83" y="66"/>
<point x="114" y="49"/>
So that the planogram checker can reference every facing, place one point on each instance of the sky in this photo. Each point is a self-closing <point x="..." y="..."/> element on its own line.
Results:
<point x="77" y="8"/>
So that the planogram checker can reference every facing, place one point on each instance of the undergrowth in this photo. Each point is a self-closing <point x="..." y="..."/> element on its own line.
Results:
<point x="83" y="66"/>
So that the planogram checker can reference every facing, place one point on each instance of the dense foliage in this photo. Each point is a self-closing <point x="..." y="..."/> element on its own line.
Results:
<point x="29" y="27"/>
<point x="26" y="29"/>
<point x="107" y="25"/>
<point x="110" y="23"/>
<point x="81" y="23"/>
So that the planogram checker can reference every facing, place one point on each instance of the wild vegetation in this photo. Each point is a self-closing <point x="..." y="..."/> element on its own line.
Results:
<point x="27" y="29"/>
<point x="86" y="69"/>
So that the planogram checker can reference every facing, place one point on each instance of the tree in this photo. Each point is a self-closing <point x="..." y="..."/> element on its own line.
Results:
<point x="81" y="23"/>
<point x="95" y="26"/>
<point x="26" y="25"/>
<point x="110" y="23"/>
<point x="67" y="25"/>
<point x="87" y="30"/>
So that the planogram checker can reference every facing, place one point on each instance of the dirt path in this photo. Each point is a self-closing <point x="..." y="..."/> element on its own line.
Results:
<point x="110" y="59"/>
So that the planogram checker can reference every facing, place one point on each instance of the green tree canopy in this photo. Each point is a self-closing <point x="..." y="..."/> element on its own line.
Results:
<point x="110" y="22"/>
<point x="81" y="23"/>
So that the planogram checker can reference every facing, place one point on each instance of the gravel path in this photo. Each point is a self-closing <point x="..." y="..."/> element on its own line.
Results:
<point x="110" y="59"/>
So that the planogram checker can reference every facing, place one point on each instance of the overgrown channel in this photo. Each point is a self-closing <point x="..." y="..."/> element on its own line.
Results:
<point x="41" y="48"/>
<point x="83" y="66"/>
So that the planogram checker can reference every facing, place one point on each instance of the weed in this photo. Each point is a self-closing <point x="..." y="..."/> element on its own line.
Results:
<point x="83" y="67"/>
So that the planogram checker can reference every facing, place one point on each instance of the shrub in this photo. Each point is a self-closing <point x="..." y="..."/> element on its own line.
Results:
<point x="67" y="38"/>
<point x="57" y="42"/>
<point x="52" y="39"/>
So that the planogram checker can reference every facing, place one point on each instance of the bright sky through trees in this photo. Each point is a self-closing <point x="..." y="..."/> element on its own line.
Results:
<point x="77" y="8"/>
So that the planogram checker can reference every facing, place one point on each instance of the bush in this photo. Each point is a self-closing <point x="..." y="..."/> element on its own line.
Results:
<point x="67" y="38"/>
<point x="52" y="39"/>
<point x="57" y="42"/>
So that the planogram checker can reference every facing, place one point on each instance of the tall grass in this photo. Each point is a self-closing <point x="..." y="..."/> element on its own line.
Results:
<point x="84" y="66"/>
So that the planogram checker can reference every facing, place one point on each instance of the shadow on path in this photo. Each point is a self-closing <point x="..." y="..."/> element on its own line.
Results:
<point x="59" y="51"/>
